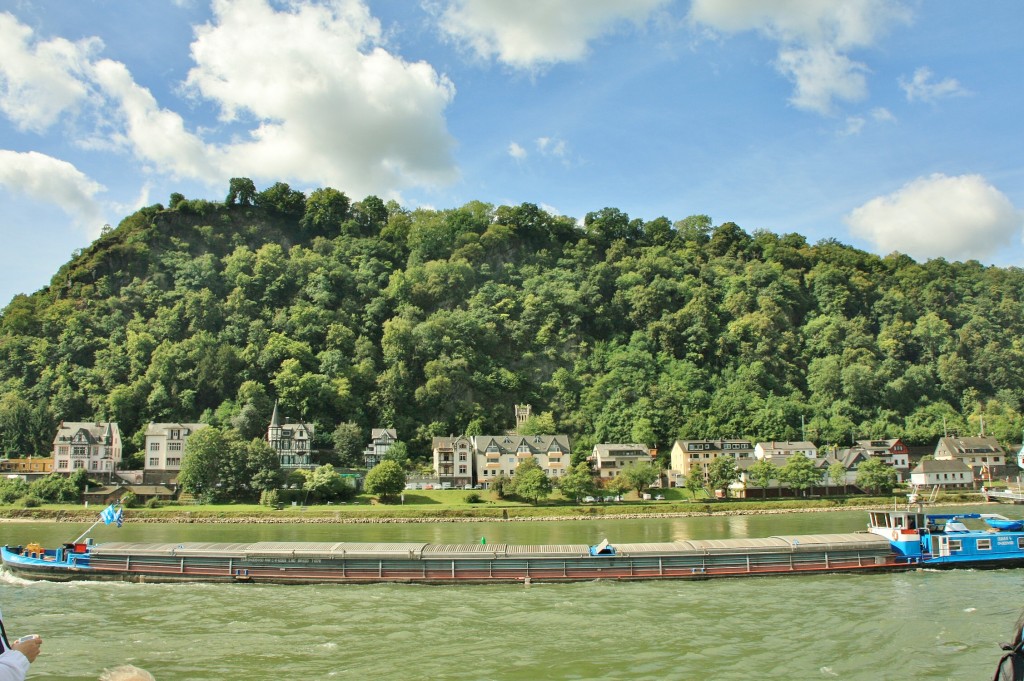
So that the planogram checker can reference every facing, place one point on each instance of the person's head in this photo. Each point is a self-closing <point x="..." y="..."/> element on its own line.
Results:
<point x="126" y="672"/>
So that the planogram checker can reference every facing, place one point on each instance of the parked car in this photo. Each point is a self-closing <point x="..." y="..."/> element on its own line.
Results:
<point x="589" y="500"/>
<point x="659" y="497"/>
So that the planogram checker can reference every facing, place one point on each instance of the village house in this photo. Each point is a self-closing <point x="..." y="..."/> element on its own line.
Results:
<point x="497" y="455"/>
<point x="608" y="460"/>
<point x="942" y="473"/>
<point x="780" y="451"/>
<point x="165" y="449"/>
<point x="694" y="456"/>
<point x="453" y="461"/>
<point x="891" y="452"/>
<point x="381" y="440"/>
<point x="984" y="455"/>
<point x="291" y="441"/>
<point x="94" y="447"/>
<point x="27" y="468"/>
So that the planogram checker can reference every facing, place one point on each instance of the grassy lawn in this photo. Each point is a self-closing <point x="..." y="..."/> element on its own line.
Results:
<point x="454" y="504"/>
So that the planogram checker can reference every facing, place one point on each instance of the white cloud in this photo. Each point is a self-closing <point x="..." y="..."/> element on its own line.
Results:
<point x="882" y="115"/>
<point x="552" y="146"/>
<point x="156" y="136"/>
<point x="323" y="102"/>
<point x="527" y="35"/>
<point x="516" y="151"/>
<point x="821" y="75"/>
<point x="921" y="87"/>
<point x="47" y="179"/>
<point x="958" y="218"/>
<point x="332" y="106"/>
<point x="854" y="125"/>
<point x="814" y="37"/>
<point x="39" y="80"/>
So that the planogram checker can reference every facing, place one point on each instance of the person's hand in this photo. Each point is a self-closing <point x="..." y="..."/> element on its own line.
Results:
<point x="29" y="648"/>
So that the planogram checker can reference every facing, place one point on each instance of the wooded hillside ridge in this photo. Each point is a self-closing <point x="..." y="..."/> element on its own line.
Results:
<point x="437" y="322"/>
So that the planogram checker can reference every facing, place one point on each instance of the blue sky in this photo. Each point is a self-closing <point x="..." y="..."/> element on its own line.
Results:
<point x="889" y="125"/>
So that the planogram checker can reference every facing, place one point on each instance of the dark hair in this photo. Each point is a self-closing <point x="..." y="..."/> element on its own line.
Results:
<point x="1011" y="664"/>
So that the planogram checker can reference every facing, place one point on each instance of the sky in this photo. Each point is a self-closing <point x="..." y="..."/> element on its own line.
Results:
<point x="889" y="125"/>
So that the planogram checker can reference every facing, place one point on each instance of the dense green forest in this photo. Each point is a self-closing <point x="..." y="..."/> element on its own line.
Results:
<point x="437" y="322"/>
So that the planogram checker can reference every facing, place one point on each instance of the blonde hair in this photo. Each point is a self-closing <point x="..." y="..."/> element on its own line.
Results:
<point x="126" y="672"/>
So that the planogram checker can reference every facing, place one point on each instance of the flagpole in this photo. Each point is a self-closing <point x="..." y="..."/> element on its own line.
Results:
<point x="108" y="515"/>
<point x="88" y="531"/>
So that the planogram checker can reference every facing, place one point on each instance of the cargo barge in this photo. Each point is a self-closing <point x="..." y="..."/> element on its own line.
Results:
<point x="894" y="540"/>
<point x="347" y="562"/>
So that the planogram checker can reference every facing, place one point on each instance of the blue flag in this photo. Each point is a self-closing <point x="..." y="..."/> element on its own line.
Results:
<point x="112" y="514"/>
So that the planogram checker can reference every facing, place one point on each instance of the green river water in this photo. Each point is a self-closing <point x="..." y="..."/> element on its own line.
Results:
<point x="916" y="625"/>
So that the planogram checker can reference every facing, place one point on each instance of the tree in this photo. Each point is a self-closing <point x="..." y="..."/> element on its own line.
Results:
<point x="531" y="482"/>
<point x="539" y="424"/>
<point x="241" y="190"/>
<point x="200" y="463"/>
<point x="398" y="452"/>
<point x="578" y="482"/>
<point x="800" y="473"/>
<point x="722" y="473"/>
<point x="326" y="210"/>
<point x="761" y="473"/>
<point x="641" y="475"/>
<point x="618" y="485"/>
<point x="348" y="442"/>
<point x="875" y="477"/>
<point x="694" y="483"/>
<point x="837" y="474"/>
<point x="386" y="479"/>
<point x="325" y="484"/>
<point x="502" y="486"/>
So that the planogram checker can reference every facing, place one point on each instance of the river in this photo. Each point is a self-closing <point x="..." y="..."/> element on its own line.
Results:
<point x="903" y="626"/>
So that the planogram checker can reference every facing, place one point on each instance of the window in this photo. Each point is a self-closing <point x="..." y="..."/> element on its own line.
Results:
<point x="1020" y="542"/>
<point x="154" y="462"/>
<point x="175" y="435"/>
<point x="174" y="446"/>
<point x="955" y="545"/>
<point x="79" y="464"/>
<point x="154" y="446"/>
<point x="985" y="544"/>
<point x="62" y="463"/>
<point x="174" y="462"/>
<point x="462" y="470"/>
<point x="462" y="456"/>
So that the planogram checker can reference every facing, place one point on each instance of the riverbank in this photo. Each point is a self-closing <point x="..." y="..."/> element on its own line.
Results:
<point x="356" y="514"/>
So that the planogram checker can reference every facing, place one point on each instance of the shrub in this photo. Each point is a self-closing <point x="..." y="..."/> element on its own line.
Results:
<point x="129" y="500"/>
<point x="473" y="498"/>
<point x="153" y="502"/>
<point x="269" y="497"/>
<point x="31" y="502"/>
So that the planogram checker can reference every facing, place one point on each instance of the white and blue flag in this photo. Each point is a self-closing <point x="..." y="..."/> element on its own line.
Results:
<point x="112" y="514"/>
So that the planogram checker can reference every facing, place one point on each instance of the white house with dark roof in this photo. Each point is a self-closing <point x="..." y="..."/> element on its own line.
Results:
<point x="94" y="447"/>
<point x="609" y="459"/>
<point x="984" y="455"/>
<point x="291" y="441"/>
<point x="453" y="460"/>
<point x="381" y="440"/>
<point x="501" y="454"/>
<point x="943" y="473"/>
<point x="165" y="450"/>
<point x="783" y="450"/>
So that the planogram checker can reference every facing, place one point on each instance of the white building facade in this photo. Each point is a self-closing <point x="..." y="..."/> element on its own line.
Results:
<point x="94" y="447"/>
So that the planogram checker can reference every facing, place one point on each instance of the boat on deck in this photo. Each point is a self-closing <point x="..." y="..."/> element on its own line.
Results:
<point x="347" y="562"/>
<point x="946" y="540"/>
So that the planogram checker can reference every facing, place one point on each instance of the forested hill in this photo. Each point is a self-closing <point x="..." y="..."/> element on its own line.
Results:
<point x="438" y="322"/>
